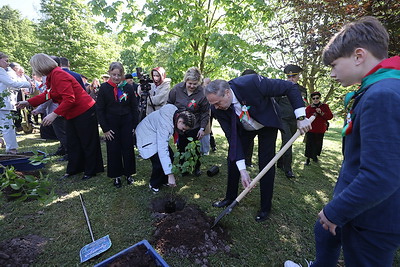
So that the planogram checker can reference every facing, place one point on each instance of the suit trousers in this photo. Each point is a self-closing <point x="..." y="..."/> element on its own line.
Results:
<point x="327" y="246"/>
<point x="60" y="130"/>
<point x="363" y="247"/>
<point x="8" y="130"/>
<point x="288" y="130"/>
<point x="158" y="177"/>
<point x="83" y="144"/>
<point x="266" y="151"/>
<point x="120" y="150"/>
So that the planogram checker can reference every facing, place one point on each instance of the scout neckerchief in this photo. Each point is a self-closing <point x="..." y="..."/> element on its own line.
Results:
<point x="119" y="93"/>
<point x="388" y="68"/>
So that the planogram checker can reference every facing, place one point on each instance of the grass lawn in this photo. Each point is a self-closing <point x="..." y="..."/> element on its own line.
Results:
<point x="125" y="213"/>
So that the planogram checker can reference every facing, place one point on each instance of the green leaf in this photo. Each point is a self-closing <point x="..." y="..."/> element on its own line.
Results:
<point x="15" y="186"/>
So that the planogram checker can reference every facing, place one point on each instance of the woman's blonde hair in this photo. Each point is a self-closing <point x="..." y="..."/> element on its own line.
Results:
<point x="42" y="64"/>
<point x="193" y="74"/>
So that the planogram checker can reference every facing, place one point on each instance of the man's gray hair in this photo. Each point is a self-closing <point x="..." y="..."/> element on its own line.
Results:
<point x="217" y="87"/>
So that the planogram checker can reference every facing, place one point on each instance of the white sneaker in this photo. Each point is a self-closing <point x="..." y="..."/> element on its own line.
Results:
<point x="155" y="190"/>
<point x="293" y="264"/>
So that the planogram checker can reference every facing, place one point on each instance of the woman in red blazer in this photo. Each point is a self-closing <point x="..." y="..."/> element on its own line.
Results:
<point x="315" y="136"/>
<point x="77" y="107"/>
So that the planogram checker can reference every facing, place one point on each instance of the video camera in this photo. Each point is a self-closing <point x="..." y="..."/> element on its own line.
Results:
<point x="144" y="80"/>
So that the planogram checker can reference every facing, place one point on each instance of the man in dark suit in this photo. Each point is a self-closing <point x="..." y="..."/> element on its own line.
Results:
<point x="245" y="107"/>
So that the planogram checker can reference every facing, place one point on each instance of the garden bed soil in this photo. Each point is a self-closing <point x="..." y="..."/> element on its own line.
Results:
<point x="137" y="256"/>
<point x="187" y="233"/>
<point x="21" y="251"/>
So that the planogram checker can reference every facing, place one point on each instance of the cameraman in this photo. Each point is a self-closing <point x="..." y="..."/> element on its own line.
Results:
<point x="159" y="90"/>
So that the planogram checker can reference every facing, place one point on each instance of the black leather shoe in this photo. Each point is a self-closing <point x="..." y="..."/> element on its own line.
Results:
<point x="222" y="203"/>
<point x="262" y="216"/>
<point x="117" y="182"/>
<point x="289" y="174"/>
<point x="86" y="177"/>
<point x="307" y="162"/>
<point x="315" y="160"/>
<point x="130" y="180"/>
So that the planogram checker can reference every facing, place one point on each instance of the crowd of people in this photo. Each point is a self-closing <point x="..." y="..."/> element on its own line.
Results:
<point x="364" y="208"/>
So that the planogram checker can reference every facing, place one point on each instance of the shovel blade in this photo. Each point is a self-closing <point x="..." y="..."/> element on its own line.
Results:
<point x="225" y="212"/>
<point x="95" y="248"/>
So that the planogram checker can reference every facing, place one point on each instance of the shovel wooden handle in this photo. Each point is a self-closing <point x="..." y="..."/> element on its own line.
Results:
<point x="271" y="163"/>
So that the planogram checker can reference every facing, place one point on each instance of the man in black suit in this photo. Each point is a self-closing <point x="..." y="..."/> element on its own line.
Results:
<point x="245" y="107"/>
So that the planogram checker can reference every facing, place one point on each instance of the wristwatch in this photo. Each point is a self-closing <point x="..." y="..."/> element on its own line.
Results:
<point x="301" y="118"/>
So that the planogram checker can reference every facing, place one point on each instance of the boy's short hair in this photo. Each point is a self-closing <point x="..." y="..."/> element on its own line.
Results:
<point x="366" y="33"/>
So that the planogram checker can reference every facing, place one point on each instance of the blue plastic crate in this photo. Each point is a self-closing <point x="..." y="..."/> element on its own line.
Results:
<point x="150" y="250"/>
<point x="22" y="163"/>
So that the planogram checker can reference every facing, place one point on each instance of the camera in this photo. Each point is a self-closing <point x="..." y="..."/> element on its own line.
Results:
<point x="144" y="80"/>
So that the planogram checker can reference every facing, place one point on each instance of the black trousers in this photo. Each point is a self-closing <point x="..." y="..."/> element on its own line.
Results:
<point x="120" y="150"/>
<point x="60" y="130"/>
<point x="183" y="142"/>
<point x="158" y="177"/>
<point x="83" y="142"/>
<point x="314" y="143"/>
<point x="266" y="151"/>
<point x="289" y="129"/>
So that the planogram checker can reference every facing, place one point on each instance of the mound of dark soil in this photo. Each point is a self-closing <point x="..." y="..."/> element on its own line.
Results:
<point x="21" y="251"/>
<point x="187" y="233"/>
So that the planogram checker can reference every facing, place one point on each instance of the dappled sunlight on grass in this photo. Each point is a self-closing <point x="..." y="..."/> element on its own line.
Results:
<point x="69" y="196"/>
<point x="315" y="201"/>
<point x="2" y="217"/>
<point x="196" y="196"/>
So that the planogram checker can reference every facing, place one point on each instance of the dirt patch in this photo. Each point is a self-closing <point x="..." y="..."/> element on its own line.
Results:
<point x="21" y="251"/>
<point x="187" y="233"/>
<point x="137" y="256"/>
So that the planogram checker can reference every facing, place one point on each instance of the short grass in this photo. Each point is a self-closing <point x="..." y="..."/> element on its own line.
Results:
<point x="125" y="213"/>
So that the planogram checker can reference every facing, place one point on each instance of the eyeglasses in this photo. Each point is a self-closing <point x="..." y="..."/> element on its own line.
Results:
<point x="315" y="98"/>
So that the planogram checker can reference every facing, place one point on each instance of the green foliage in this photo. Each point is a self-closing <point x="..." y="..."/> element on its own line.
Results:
<point x="188" y="159"/>
<point x="178" y="34"/>
<point x="25" y="187"/>
<point x="17" y="36"/>
<point x="38" y="158"/>
<point x="68" y="29"/>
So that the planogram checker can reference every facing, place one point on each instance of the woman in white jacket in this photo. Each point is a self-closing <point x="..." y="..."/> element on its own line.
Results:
<point x="8" y="93"/>
<point x="153" y="134"/>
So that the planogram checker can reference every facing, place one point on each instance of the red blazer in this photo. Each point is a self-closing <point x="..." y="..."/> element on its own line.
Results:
<point x="319" y="124"/>
<point x="64" y="90"/>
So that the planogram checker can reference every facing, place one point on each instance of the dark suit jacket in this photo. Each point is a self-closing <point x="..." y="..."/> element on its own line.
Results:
<point x="257" y="92"/>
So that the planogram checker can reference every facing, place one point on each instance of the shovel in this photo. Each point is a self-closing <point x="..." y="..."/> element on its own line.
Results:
<point x="26" y="126"/>
<point x="96" y="247"/>
<point x="259" y="176"/>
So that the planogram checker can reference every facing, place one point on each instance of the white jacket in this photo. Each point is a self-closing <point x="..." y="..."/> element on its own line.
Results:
<point x="8" y="84"/>
<point x="158" y="95"/>
<point x="153" y="134"/>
